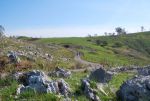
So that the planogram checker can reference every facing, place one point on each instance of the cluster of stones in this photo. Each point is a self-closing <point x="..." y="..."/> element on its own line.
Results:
<point x="59" y="72"/>
<point x="37" y="81"/>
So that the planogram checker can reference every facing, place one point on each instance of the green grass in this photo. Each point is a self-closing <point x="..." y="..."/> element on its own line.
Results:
<point x="114" y="85"/>
<point x="133" y="49"/>
<point x="75" y="84"/>
<point x="30" y="95"/>
<point x="75" y="79"/>
<point x="119" y="79"/>
<point x="8" y="89"/>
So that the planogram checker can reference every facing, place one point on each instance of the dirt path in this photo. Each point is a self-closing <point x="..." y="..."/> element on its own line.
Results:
<point x="90" y="65"/>
<point x="78" y="59"/>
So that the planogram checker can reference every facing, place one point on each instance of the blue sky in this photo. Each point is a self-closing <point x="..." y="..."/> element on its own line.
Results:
<point x="62" y="18"/>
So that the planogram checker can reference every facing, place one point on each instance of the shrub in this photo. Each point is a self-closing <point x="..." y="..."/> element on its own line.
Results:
<point x="66" y="46"/>
<point x="101" y="43"/>
<point x="117" y="44"/>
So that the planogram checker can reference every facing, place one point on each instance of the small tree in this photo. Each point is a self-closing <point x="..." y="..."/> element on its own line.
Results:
<point x="95" y="34"/>
<point x="1" y="31"/>
<point x="105" y="33"/>
<point x="142" y="28"/>
<point x="2" y="35"/>
<point x="120" y="31"/>
<point x="101" y="42"/>
<point x="89" y="35"/>
<point x="113" y="34"/>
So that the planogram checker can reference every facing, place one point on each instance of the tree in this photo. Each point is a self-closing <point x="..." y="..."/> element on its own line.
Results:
<point x="120" y="31"/>
<point x="95" y="34"/>
<point x="1" y="31"/>
<point x="2" y="35"/>
<point x="105" y="33"/>
<point x="101" y="42"/>
<point x="113" y="34"/>
<point x="142" y="28"/>
<point x="89" y="35"/>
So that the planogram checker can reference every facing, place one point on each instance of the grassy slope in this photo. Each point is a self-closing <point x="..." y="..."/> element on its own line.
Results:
<point x="134" y="49"/>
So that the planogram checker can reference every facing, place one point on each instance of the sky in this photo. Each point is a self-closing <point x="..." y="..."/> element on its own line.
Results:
<point x="72" y="18"/>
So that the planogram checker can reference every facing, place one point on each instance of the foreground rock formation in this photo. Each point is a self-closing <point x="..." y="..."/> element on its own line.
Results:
<point x="101" y="76"/>
<point x="38" y="82"/>
<point x="88" y="91"/>
<point x="59" y="72"/>
<point x="136" y="89"/>
<point x="145" y="71"/>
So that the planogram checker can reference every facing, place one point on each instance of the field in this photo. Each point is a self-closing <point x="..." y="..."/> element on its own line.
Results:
<point x="131" y="49"/>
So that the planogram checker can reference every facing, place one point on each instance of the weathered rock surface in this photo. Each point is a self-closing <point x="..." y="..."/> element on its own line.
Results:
<point x="136" y="89"/>
<point x="59" y="72"/>
<point x="38" y="81"/>
<point x="100" y="75"/>
<point x="88" y="91"/>
<point x="140" y="70"/>
<point x="145" y="71"/>
<point x="13" y="57"/>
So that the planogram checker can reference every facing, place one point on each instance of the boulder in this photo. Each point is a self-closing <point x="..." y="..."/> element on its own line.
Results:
<point x="16" y="75"/>
<point x="63" y="87"/>
<point x="100" y="75"/>
<point x="59" y="72"/>
<point x="37" y="81"/>
<point x="136" y="89"/>
<point x="13" y="57"/>
<point x="145" y="71"/>
<point x="88" y="91"/>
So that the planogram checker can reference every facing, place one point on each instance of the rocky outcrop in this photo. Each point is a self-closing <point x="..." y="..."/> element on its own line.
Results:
<point x="100" y="75"/>
<point x="145" y="71"/>
<point x="13" y="57"/>
<point x="59" y="72"/>
<point x="140" y="70"/>
<point x="88" y="91"/>
<point x="38" y="82"/>
<point x="136" y="89"/>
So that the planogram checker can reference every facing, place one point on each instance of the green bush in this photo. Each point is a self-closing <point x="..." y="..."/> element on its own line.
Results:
<point x="117" y="45"/>
<point x="101" y="43"/>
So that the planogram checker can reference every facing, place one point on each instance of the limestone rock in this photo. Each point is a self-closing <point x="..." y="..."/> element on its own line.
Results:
<point x="136" y="89"/>
<point x="100" y="75"/>
<point x="88" y="91"/>
<point x="37" y="81"/>
<point x="145" y="71"/>
<point x="13" y="57"/>
<point x="59" y="72"/>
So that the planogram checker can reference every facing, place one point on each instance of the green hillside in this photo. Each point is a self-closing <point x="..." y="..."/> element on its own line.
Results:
<point x="110" y="51"/>
<point x="130" y="49"/>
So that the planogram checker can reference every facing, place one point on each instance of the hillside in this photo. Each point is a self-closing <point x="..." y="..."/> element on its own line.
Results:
<point x="131" y="49"/>
<point x="70" y="63"/>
